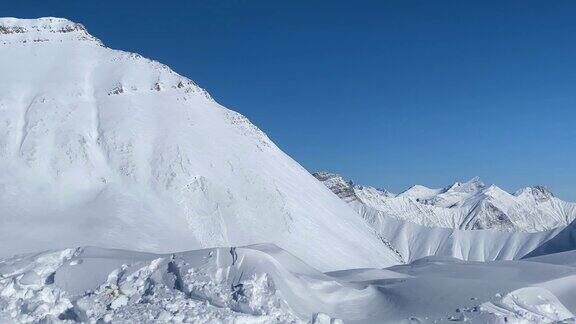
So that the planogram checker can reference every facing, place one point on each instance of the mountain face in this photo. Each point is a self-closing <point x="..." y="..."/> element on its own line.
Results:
<point x="470" y="205"/>
<point x="107" y="148"/>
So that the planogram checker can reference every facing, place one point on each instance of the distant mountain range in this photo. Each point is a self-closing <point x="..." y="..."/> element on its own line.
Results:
<point x="470" y="205"/>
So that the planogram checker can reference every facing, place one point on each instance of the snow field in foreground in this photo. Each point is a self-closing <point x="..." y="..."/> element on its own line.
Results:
<point x="264" y="284"/>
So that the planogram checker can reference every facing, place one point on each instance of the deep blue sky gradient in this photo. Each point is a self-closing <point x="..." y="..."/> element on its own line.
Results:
<point x="388" y="93"/>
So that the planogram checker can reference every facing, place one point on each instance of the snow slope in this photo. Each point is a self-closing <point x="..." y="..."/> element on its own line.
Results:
<point x="265" y="284"/>
<point x="470" y="205"/>
<point x="413" y="241"/>
<point x="107" y="148"/>
<point x="562" y="241"/>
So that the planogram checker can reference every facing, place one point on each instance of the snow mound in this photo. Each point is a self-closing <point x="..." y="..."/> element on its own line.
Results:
<point x="530" y="304"/>
<point x="107" y="148"/>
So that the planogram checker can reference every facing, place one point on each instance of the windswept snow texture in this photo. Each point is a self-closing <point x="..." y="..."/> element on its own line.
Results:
<point x="421" y="222"/>
<point x="264" y="284"/>
<point x="104" y="147"/>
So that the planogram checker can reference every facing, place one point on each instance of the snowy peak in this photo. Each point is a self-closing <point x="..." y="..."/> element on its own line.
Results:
<point x="420" y="192"/>
<point x="15" y="30"/>
<point x="538" y="193"/>
<point x="471" y="186"/>
<point x="444" y="196"/>
<point x="493" y="191"/>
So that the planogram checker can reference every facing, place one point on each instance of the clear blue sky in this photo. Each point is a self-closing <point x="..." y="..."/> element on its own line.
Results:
<point x="388" y="93"/>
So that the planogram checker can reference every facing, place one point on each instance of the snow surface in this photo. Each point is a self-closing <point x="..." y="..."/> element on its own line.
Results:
<point x="104" y="147"/>
<point x="265" y="284"/>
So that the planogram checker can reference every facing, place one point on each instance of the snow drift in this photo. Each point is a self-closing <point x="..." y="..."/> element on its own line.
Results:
<point x="264" y="284"/>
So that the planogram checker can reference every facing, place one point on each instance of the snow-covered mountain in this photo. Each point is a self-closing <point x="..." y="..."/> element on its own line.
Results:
<point x="107" y="148"/>
<point x="469" y="205"/>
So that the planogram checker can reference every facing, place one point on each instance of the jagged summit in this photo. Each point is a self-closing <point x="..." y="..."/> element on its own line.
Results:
<point x="539" y="193"/>
<point x="346" y="189"/>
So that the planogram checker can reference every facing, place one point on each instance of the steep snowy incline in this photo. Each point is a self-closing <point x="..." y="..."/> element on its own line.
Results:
<point x="413" y="241"/>
<point x="470" y="205"/>
<point x="107" y="148"/>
